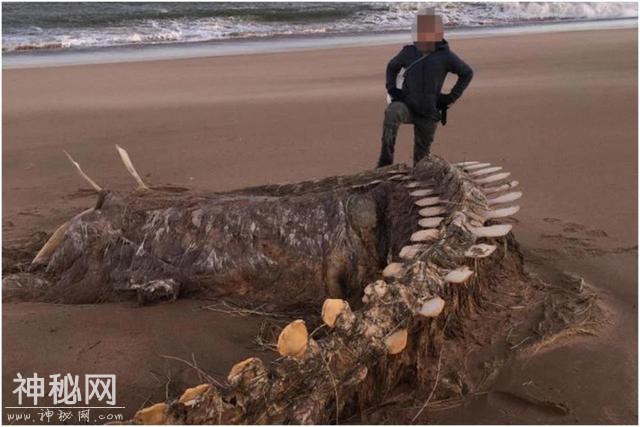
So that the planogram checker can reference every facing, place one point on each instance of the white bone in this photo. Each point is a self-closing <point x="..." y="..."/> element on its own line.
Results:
<point x="486" y="171"/>
<point x="432" y="307"/>
<point x="430" y="222"/>
<point x="82" y="174"/>
<point x="425" y="235"/>
<point x="503" y="187"/>
<point x="477" y="166"/>
<point x="398" y="178"/>
<point x="396" y="172"/>
<point x="501" y="213"/>
<point x="374" y="182"/>
<point x="432" y="211"/>
<point x="129" y="165"/>
<point x="54" y="241"/>
<point x="395" y="269"/>
<point x="413" y="184"/>
<point x="422" y="193"/>
<point x="428" y="201"/>
<point x="492" y="230"/>
<point x="459" y="275"/>
<point x="505" y="198"/>
<point x="492" y="178"/>
<point x="481" y="250"/>
<point x="410" y="252"/>
<point x="461" y="164"/>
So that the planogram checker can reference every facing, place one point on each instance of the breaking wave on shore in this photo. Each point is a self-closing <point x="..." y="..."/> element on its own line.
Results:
<point x="62" y="26"/>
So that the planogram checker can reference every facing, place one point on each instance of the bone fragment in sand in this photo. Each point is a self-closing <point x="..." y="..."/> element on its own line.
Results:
<point x="410" y="252"/>
<point x="190" y="395"/>
<point x="432" y="211"/>
<point x="432" y="307"/>
<point x="152" y="415"/>
<point x="501" y="213"/>
<point x="331" y="309"/>
<point x="503" y="187"/>
<point x="481" y="250"/>
<point x="293" y="339"/>
<point x="459" y="275"/>
<point x="505" y="198"/>
<point x="492" y="230"/>
<point x="422" y="193"/>
<point x="462" y="164"/>
<point x="428" y="201"/>
<point x="476" y="166"/>
<point x="492" y="178"/>
<point x="486" y="171"/>
<point x="430" y="222"/>
<point x="82" y="174"/>
<point x="129" y="165"/>
<point x="393" y="270"/>
<point x="397" y="341"/>
<point x="425" y="235"/>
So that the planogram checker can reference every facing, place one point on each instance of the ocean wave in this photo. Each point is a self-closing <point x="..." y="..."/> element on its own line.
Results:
<point x="49" y="26"/>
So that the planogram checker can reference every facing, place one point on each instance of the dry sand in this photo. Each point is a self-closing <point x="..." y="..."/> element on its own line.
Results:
<point x="557" y="110"/>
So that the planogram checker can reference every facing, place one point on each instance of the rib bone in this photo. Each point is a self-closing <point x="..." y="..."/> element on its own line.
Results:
<point x="82" y="174"/>
<point x="501" y="213"/>
<point x="432" y="307"/>
<point x="428" y="201"/>
<point x="477" y="166"/>
<point x="422" y="193"/>
<point x="492" y="230"/>
<point x="430" y="222"/>
<point x="503" y="187"/>
<point x="432" y="211"/>
<point x="505" y="198"/>
<point x="459" y="275"/>
<point x="492" y="178"/>
<point x="129" y="165"/>
<point x="462" y="164"/>
<point x="486" y="171"/>
<point x="425" y="235"/>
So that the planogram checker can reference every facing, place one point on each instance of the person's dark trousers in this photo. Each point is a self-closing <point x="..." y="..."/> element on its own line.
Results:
<point x="424" y="129"/>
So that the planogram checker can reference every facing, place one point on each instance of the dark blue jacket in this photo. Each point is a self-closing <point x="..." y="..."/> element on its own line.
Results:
<point x="423" y="81"/>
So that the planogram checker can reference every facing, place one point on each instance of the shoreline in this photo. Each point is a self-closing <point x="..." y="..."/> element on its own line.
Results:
<point x="217" y="48"/>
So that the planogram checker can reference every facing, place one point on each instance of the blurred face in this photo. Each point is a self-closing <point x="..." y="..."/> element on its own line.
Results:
<point x="429" y="31"/>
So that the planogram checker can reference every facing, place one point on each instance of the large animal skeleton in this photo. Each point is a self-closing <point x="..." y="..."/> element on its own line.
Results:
<point x="390" y="255"/>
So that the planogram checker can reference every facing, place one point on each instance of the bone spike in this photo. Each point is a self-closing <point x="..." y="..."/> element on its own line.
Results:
<point x="51" y="245"/>
<point x="459" y="275"/>
<point x="422" y="193"/>
<point x="82" y="174"/>
<point x="492" y="178"/>
<point x="480" y="251"/>
<point x="428" y="201"/>
<point x="501" y="213"/>
<point x="155" y="414"/>
<point x="190" y="395"/>
<point x="331" y="309"/>
<point x="485" y="171"/>
<point x="462" y="164"/>
<point x="432" y="211"/>
<point x="505" y="198"/>
<point x="432" y="307"/>
<point x="425" y="235"/>
<point x="129" y="165"/>
<point x="477" y="166"/>
<point x="430" y="222"/>
<point x="410" y="252"/>
<point x="398" y="178"/>
<point x="413" y="184"/>
<point x="293" y="339"/>
<point x="395" y="270"/>
<point x="503" y="187"/>
<point x="492" y="230"/>
<point x="397" y="341"/>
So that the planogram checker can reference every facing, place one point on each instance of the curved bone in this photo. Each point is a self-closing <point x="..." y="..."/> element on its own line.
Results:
<point x="397" y="341"/>
<point x="459" y="275"/>
<point x="425" y="235"/>
<point x="432" y="307"/>
<point x="82" y="174"/>
<point x="481" y="250"/>
<point x="422" y="193"/>
<point x="430" y="222"/>
<point x="505" y="198"/>
<point x="42" y="257"/>
<point x="492" y="230"/>
<point x="476" y="166"/>
<point x="331" y="309"/>
<point x="432" y="211"/>
<point x="129" y="165"/>
<point x="410" y="252"/>
<point x="485" y="171"/>
<point x="492" y="178"/>
<point x="501" y="213"/>
<point x="398" y="177"/>
<point x="462" y="164"/>
<point x="293" y="339"/>
<point x="503" y="187"/>
<point x="428" y="201"/>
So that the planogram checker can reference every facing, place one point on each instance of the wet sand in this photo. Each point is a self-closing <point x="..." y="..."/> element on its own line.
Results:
<point x="557" y="110"/>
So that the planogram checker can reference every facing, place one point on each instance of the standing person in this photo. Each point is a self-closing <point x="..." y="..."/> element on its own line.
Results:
<point x="426" y="63"/>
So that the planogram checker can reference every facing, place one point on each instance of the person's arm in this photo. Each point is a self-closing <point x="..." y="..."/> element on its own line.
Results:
<point x="464" y="72"/>
<point x="393" y="69"/>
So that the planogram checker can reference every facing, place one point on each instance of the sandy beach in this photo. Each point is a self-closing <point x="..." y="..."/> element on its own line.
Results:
<point x="559" y="110"/>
